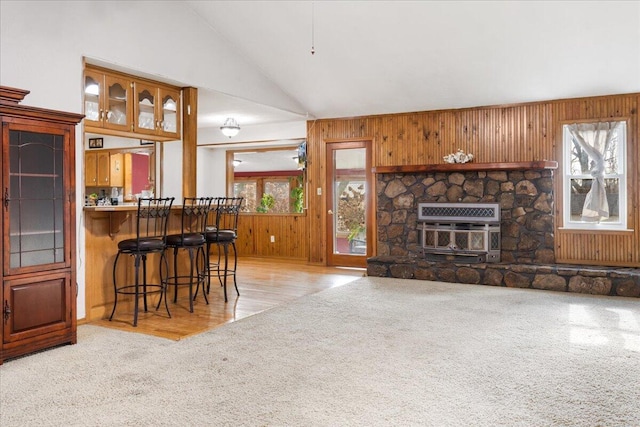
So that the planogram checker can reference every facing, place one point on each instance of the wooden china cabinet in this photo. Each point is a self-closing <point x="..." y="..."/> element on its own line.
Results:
<point x="38" y="223"/>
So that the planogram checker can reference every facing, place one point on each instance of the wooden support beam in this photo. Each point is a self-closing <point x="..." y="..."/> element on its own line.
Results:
<point x="189" y="140"/>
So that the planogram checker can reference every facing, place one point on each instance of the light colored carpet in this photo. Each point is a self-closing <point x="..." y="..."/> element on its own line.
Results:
<point x="375" y="352"/>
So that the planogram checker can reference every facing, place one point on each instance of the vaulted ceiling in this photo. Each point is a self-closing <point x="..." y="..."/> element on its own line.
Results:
<point x="377" y="57"/>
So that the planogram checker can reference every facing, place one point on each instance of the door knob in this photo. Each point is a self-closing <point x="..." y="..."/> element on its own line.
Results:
<point x="330" y="212"/>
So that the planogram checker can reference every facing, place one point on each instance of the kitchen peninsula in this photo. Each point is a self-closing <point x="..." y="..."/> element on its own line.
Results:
<point x="105" y="226"/>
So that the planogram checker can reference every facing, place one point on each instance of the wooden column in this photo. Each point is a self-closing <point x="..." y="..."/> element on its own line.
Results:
<point x="189" y="140"/>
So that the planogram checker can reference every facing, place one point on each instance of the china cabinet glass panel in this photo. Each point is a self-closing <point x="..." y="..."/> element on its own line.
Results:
<point x="169" y="114"/>
<point x="36" y="213"/>
<point x="91" y="98"/>
<point x="146" y="110"/>
<point x="117" y="104"/>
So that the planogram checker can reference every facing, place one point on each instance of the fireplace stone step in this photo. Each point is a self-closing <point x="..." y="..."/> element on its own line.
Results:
<point x="595" y="280"/>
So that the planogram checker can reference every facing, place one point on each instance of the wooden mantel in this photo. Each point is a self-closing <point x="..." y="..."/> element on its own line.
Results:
<point x="468" y="167"/>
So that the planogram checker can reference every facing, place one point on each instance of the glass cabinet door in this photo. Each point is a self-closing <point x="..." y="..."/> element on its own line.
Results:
<point x="169" y="113"/>
<point x="92" y="105"/>
<point x="35" y="201"/>
<point x="145" y="108"/>
<point x="117" y="111"/>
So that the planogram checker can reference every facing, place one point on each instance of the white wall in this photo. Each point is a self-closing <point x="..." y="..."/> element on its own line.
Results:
<point x="171" y="170"/>
<point x="211" y="176"/>
<point x="42" y="45"/>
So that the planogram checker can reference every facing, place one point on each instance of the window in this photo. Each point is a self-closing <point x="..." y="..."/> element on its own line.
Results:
<point x="271" y="180"/>
<point x="595" y="186"/>
<point x="249" y="190"/>
<point x="270" y="194"/>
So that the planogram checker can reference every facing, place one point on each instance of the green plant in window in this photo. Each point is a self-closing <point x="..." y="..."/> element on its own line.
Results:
<point x="267" y="202"/>
<point x="297" y="194"/>
<point x="356" y="232"/>
<point x="298" y="199"/>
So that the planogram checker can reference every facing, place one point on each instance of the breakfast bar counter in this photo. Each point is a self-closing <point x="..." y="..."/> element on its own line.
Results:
<point x="104" y="227"/>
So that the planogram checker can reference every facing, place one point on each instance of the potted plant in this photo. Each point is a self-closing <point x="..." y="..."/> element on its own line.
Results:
<point x="266" y="203"/>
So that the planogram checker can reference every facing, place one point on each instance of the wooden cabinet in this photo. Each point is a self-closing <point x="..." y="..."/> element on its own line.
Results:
<point x="107" y="101"/>
<point x="38" y="293"/>
<point x="156" y="110"/>
<point x="102" y="169"/>
<point x="124" y="105"/>
<point x="116" y="170"/>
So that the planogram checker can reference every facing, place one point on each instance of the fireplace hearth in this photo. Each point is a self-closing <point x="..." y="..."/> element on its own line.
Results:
<point x="407" y="195"/>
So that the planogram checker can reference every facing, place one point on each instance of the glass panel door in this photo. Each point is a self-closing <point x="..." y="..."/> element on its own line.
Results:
<point x="349" y="204"/>
<point x="146" y="110"/>
<point x="92" y="106"/>
<point x="117" y="104"/>
<point x="169" y="117"/>
<point x="35" y="200"/>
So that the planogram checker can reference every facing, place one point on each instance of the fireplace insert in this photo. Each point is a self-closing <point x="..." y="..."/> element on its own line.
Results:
<point x="465" y="232"/>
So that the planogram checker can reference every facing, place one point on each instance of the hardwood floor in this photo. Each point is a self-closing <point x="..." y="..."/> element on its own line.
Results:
<point x="263" y="284"/>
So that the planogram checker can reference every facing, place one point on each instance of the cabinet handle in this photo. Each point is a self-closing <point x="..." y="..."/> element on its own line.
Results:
<point x="7" y="311"/>
<point x="101" y="114"/>
<point x="6" y="198"/>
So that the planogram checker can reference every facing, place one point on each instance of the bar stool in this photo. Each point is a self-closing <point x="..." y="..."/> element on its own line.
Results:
<point x="222" y="230"/>
<point x="151" y="232"/>
<point x="191" y="237"/>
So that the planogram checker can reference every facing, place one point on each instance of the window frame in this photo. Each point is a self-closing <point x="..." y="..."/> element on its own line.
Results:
<point x="261" y="181"/>
<point x="622" y="176"/>
<point x="259" y="177"/>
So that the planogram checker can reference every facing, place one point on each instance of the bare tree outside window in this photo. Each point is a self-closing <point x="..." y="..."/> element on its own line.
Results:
<point x="595" y="173"/>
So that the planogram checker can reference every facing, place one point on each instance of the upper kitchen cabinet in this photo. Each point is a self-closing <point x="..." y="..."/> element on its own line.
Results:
<point x="107" y="101"/>
<point x="156" y="110"/>
<point x="125" y="105"/>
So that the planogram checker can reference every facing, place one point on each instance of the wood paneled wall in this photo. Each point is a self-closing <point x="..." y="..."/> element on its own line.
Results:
<point x="603" y="248"/>
<point x="513" y="133"/>
<point x="289" y="231"/>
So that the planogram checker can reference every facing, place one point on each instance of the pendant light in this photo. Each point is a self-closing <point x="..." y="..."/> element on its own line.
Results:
<point x="230" y="127"/>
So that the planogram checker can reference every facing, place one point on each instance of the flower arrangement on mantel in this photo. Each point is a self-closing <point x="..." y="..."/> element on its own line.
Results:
<point x="458" y="157"/>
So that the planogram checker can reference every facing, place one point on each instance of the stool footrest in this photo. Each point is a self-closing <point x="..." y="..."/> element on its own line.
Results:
<point x="152" y="288"/>
<point x="183" y="280"/>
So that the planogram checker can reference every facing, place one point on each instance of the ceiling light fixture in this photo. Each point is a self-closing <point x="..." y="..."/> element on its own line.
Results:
<point x="230" y="127"/>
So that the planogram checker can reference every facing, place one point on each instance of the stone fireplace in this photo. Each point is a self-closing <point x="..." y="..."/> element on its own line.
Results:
<point x="525" y="199"/>
<point x="524" y="192"/>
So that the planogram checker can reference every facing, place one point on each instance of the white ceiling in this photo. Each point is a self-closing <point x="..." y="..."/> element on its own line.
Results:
<point x="378" y="57"/>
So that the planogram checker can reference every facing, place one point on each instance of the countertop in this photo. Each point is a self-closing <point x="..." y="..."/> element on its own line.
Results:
<point x="118" y="208"/>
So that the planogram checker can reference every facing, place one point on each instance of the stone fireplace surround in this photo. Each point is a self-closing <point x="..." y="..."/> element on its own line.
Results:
<point x="525" y="194"/>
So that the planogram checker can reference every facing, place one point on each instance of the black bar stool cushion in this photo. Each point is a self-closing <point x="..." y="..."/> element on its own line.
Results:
<point x="141" y="245"/>
<point x="221" y="236"/>
<point x="192" y="239"/>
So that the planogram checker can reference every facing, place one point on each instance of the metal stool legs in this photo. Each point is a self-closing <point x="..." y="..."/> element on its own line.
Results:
<point x="134" y="289"/>
<point x="196" y="275"/>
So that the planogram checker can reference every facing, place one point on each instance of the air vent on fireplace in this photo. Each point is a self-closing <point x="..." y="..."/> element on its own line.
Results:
<point x="483" y="213"/>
